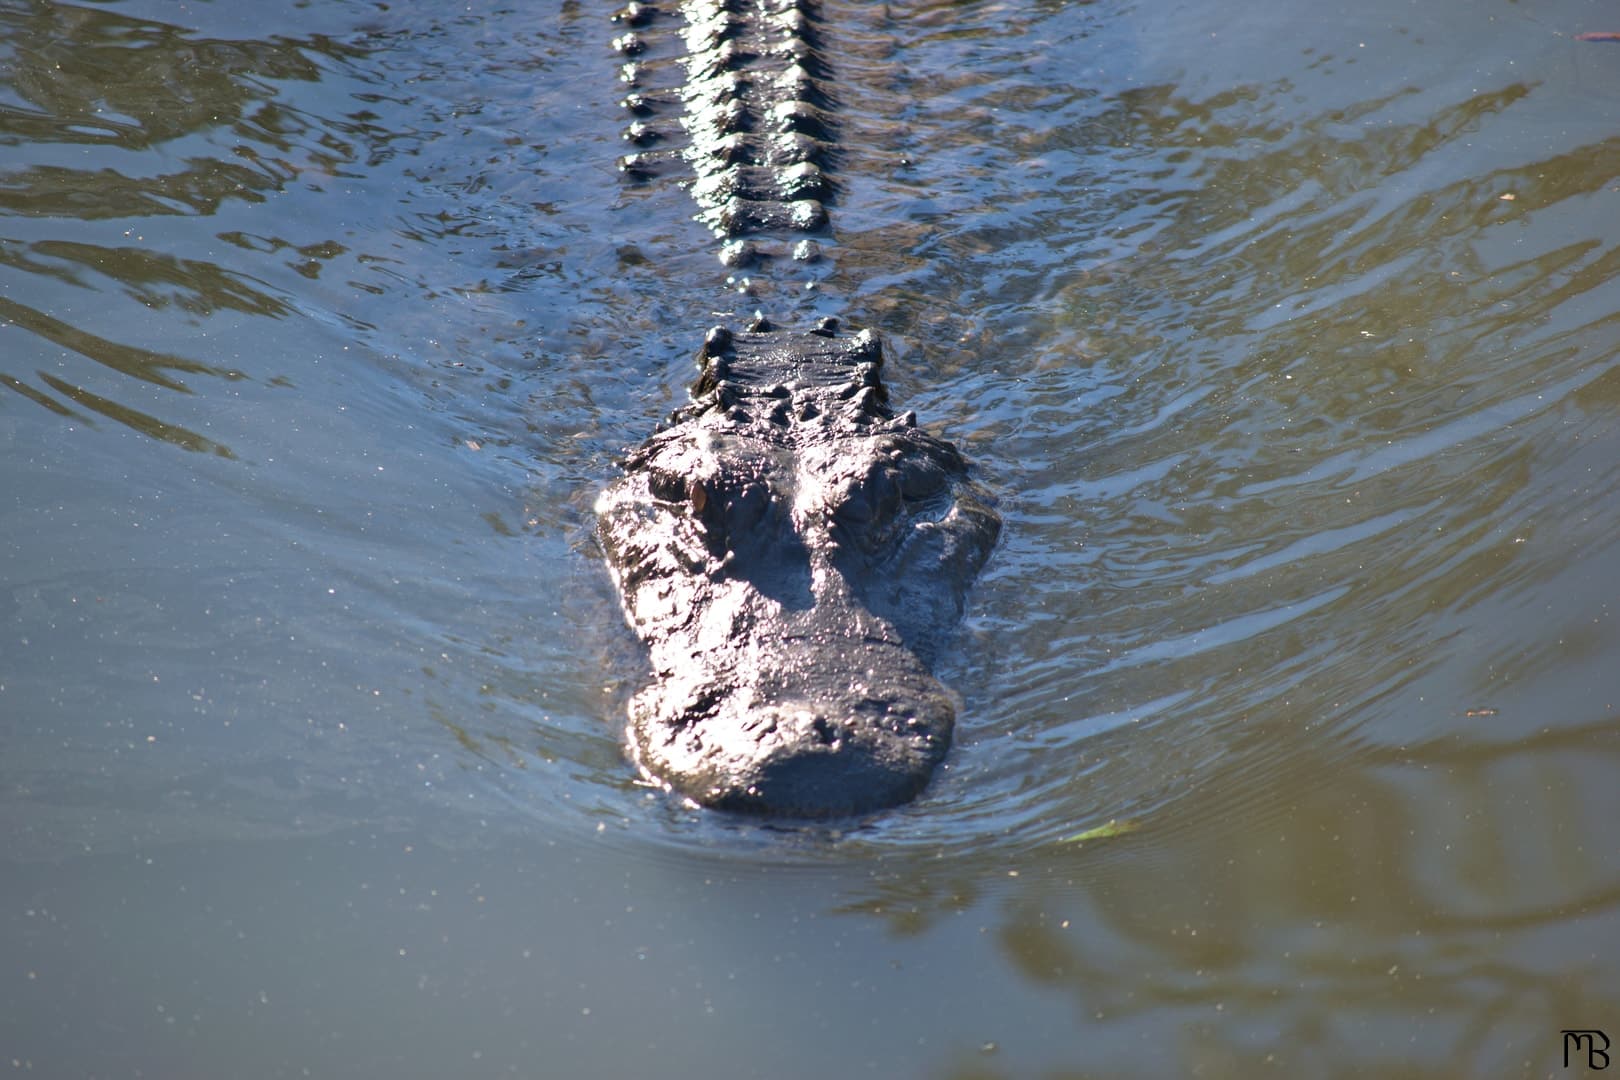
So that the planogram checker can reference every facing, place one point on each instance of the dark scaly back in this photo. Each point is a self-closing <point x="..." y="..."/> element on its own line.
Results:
<point x="752" y="92"/>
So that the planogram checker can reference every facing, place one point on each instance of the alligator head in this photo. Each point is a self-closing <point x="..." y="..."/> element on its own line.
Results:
<point x="793" y="554"/>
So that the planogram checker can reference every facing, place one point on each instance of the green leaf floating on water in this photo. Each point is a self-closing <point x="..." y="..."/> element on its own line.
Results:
<point x="1111" y="827"/>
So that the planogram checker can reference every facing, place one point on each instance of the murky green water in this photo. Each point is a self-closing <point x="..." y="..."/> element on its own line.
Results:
<point x="1287" y="337"/>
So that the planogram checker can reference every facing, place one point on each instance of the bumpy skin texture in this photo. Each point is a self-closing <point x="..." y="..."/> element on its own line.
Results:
<point x="793" y="553"/>
<point x="755" y="114"/>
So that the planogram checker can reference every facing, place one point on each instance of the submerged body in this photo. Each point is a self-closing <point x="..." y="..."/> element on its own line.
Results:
<point x="793" y="553"/>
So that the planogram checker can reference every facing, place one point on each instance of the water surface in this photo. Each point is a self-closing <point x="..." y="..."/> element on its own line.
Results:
<point x="1288" y="340"/>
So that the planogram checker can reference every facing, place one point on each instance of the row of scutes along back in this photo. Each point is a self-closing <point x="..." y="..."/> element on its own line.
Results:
<point x="750" y="91"/>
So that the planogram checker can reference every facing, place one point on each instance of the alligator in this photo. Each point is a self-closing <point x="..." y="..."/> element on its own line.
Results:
<point x="791" y="550"/>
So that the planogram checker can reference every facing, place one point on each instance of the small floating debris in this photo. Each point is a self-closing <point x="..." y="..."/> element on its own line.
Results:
<point x="1484" y="710"/>
<point x="1599" y="35"/>
<point x="1112" y="827"/>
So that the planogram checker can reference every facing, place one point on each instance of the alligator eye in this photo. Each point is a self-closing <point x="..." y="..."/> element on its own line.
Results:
<point x="667" y="485"/>
<point x="922" y="479"/>
<point x="883" y="494"/>
<point x="870" y="510"/>
<point x="708" y="511"/>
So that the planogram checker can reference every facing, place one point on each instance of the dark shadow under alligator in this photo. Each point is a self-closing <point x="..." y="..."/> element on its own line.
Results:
<point x="792" y="552"/>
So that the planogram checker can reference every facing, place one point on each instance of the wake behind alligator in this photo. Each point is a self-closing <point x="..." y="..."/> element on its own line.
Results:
<point x="792" y="551"/>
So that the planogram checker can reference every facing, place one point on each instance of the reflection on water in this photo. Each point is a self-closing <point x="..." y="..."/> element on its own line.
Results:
<point x="1289" y="343"/>
<point x="81" y="78"/>
<point x="1333" y="922"/>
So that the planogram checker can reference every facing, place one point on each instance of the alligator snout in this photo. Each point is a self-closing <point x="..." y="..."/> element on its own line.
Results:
<point x="808" y="730"/>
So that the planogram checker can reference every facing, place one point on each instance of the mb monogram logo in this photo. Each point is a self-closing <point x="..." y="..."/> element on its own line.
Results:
<point x="1590" y="1041"/>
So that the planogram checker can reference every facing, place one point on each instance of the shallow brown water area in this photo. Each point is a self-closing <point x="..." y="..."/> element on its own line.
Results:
<point x="1288" y="340"/>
